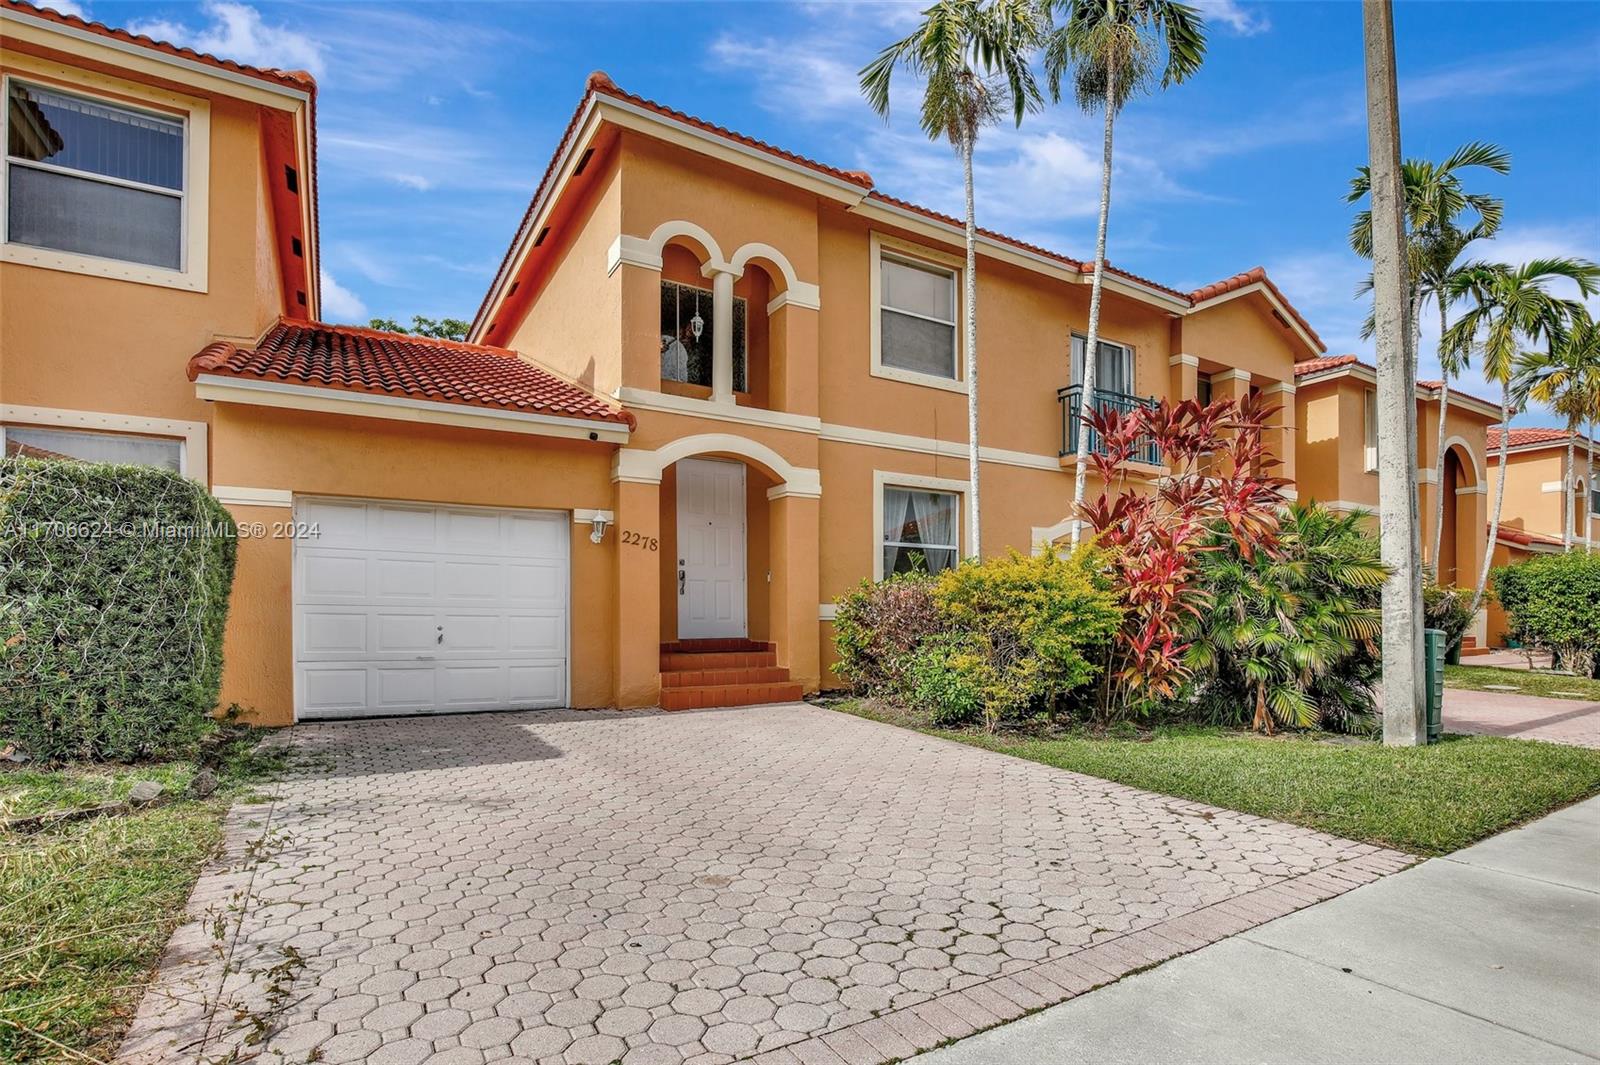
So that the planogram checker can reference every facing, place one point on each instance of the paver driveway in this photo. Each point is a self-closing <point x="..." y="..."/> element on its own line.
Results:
<point x="709" y="886"/>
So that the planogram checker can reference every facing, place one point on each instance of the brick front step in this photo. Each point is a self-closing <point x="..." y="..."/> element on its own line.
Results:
<point x="704" y="696"/>
<point x="1473" y="652"/>
<point x="716" y="678"/>
<point x="677" y="661"/>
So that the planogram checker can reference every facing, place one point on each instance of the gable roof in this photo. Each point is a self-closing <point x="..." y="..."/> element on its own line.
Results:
<point x="1531" y="439"/>
<point x="1332" y="365"/>
<point x="599" y="84"/>
<point x="342" y="358"/>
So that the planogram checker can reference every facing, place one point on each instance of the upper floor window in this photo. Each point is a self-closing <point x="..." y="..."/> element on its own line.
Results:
<point x="27" y="442"/>
<point x="917" y="323"/>
<point x="1113" y="369"/>
<point x="91" y="177"/>
<point x="1369" y="419"/>
<point x="1203" y="390"/>
<point x="686" y="335"/>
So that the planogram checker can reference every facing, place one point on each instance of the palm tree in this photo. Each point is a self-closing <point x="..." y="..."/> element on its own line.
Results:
<point x="974" y="62"/>
<point x="1510" y="305"/>
<point x="1113" y="49"/>
<point x="1435" y="200"/>
<point x="1293" y="631"/>
<point x="1566" y="377"/>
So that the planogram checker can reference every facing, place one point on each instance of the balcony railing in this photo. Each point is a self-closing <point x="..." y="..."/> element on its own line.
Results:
<point x="1071" y="399"/>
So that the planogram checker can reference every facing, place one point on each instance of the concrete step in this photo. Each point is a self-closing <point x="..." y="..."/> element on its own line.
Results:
<point x="693" y="647"/>
<point x="706" y="696"/>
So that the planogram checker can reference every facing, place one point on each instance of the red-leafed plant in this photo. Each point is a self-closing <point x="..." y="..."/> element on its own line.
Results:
<point x="1217" y="473"/>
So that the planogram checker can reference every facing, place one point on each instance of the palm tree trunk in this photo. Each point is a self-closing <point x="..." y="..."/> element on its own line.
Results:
<point x="974" y="548"/>
<point x="1438" y="455"/>
<point x="1588" y="494"/>
<point x="1569" y="486"/>
<point x="1091" y="342"/>
<point x="1404" y="708"/>
<point x="1499" y="498"/>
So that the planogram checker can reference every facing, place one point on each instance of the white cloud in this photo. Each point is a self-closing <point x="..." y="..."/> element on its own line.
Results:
<point x="65" y="7"/>
<point x="238" y="32"/>
<point x="339" y="304"/>
<point x="411" y="181"/>
<point x="1245" y="21"/>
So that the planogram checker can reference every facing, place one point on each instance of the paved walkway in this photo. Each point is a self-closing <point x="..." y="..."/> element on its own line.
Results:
<point x="1489" y="955"/>
<point x="785" y="883"/>
<point x="1528" y="717"/>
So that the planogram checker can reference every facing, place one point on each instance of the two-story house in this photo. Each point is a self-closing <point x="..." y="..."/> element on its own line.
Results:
<point x="1534" y="515"/>
<point x="713" y="386"/>
<point x="1337" y="442"/>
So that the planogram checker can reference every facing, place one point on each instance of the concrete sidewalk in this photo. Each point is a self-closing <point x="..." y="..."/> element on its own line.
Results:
<point x="1575" y="722"/>
<point x="1491" y="954"/>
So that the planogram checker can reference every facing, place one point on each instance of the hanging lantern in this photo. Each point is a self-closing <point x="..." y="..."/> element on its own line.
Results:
<point x="697" y="324"/>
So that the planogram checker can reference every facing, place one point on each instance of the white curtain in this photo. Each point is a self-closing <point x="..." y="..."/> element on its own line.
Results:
<point x="918" y="523"/>
<point x="1113" y="371"/>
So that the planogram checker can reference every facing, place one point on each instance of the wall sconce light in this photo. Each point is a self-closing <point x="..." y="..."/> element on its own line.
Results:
<point x="597" y="531"/>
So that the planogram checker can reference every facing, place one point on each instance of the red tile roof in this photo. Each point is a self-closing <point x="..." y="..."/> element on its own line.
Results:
<point x="600" y="84"/>
<point x="1327" y="362"/>
<point x="297" y="79"/>
<point x="1524" y="538"/>
<point x="1532" y="437"/>
<point x="353" y="359"/>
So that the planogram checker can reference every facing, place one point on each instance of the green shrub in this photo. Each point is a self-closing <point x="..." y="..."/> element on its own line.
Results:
<point x="114" y="584"/>
<point x="1290" y="635"/>
<point x="879" y="626"/>
<point x="1028" y="626"/>
<point x="1553" y="602"/>
<point x="945" y="679"/>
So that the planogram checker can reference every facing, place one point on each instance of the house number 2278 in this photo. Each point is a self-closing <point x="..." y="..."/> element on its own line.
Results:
<point x="649" y="543"/>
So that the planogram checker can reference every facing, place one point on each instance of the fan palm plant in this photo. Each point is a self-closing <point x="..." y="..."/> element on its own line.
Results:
<point x="1566" y="377"/>
<point x="1511" y="305"/>
<point x="1435" y="201"/>
<point x="974" y="61"/>
<point x="1113" y="50"/>
<point x="1292" y="632"/>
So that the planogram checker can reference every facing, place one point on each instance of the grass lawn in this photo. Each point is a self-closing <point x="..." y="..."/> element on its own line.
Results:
<point x="1493" y="678"/>
<point x="1426" y="800"/>
<point x="86" y="908"/>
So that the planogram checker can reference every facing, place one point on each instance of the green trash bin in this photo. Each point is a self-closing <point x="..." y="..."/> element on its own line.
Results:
<point x="1433" y="670"/>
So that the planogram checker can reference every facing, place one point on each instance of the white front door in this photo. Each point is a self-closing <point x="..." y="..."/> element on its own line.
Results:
<point x="711" y="549"/>
<point x="404" y="608"/>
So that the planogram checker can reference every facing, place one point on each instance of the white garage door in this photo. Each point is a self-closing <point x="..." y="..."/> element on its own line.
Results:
<point x="403" y="608"/>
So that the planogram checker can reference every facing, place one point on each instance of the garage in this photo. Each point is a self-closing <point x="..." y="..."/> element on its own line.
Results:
<point x="404" y="608"/>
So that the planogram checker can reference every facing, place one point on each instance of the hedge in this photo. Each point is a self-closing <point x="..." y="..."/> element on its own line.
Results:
<point x="1553" y="602"/>
<point x="114" y="584"/>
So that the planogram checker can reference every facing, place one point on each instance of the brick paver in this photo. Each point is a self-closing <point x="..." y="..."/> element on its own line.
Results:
<point x="1575" y="722"/>
<point x="779" y="883"/>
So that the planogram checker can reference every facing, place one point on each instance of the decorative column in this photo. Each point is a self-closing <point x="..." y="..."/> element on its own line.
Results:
<point x="1184" y="378"/>
<point x="721" y="333"/>
<point x="795" y="627"/>
<point x="1280" y="433"/>
<point x="792" y="356"/>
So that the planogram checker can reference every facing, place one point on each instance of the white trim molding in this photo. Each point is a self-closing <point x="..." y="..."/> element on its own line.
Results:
<point x="643" y="466"/>
<point x="1231" y="375"/>
<point x="646" y="252"/>
<point x="196" y="455"/>
<point x="668" y="403"/>
<point x="1428" y="476"/>
<point x="1550" y="487"/>
<point x="1042" y="537"/>
<point x="365" y="405"/>
<point x="582" y="516"/>
<point x="230" y="495"/>
<point x="1185" y="360"/>
<point x="1286" y="387"/>
<point x="827" y="611"/>
<point x="882" y="479"/>
<point x="1475" y="454"/>
<point x="1473" y="490"/>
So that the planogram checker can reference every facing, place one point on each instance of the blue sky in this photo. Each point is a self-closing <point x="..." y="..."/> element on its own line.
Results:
<point x="437" y="119"/>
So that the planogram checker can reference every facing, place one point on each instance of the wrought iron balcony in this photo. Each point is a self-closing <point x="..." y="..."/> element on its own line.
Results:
<point x="1071" y="400"/>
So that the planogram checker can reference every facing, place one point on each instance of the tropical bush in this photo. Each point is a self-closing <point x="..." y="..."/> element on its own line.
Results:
<point x="1449" y="610"/>
<point x="1152" y="536"/>
<point x="996" y="640"/>
<point x="1292" y="633"/>
<point x="1553" y="603"/>
<point x="114" y="584"/>
<point x="879" y="626"/>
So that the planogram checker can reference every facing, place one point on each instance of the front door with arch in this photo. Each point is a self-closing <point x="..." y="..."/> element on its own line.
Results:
<point x="711" y="550"/>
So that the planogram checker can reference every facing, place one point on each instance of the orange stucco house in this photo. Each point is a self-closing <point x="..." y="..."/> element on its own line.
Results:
<point x="712" y="386"/>
<point x="1533" y="517"/>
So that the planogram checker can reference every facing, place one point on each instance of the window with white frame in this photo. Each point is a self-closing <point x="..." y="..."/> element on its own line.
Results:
<point x="29" y="442"/>
<point x="921" y="530"/>
<point x="917" y="305"/>
<point x="91" y="177"/>
<point x="1370" y="421"/>
<point x="1113" y="369"/>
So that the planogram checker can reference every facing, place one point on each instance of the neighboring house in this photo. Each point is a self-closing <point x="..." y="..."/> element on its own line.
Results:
<point x="1533" y="518"/>
<point x="1337" y="459"/>
<point x="713" y="386"/>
